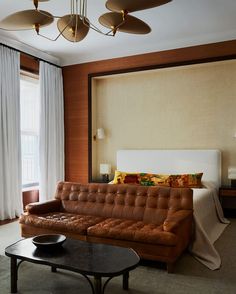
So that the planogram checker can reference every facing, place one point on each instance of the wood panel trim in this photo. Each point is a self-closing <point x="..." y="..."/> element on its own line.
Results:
<point x="199" y="52"/>
<point x="159" y="66"/>
<point x="129" y="70"/>
<point x="77" y="85"/>
<point x="29" y="63"/>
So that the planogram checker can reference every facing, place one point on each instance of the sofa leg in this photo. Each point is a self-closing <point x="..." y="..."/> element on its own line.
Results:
<point x="170" y="267"/>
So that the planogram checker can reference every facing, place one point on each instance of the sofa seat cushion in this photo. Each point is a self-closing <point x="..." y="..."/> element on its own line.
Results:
<point x="61" y="221"/>
<point x="131" y="230"/>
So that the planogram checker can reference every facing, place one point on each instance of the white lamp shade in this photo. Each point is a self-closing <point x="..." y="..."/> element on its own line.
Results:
<point x="105" y="168"/>
<point x="232" y="173"/>
<point x="100" y="133"/>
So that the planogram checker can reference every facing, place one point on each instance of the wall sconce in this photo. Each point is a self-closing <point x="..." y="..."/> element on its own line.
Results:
<point x="105" y="170"/>
<point x="100" y="134"/>
<point x="232" y="176"/>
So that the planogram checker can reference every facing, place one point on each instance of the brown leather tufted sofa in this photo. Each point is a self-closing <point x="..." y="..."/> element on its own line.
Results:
<point x="154" y="221"/>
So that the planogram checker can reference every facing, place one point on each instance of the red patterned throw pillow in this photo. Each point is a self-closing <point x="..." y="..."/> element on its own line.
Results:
<point x="186" y="180"/>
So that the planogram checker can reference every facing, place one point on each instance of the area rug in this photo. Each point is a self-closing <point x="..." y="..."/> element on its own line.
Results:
<point x="190" y="277"/>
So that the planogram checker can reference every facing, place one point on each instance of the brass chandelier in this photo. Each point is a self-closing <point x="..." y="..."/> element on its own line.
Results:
<point x="75" y="25"/>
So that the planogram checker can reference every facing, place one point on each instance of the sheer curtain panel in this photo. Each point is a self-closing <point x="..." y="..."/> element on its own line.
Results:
<point x="51" y="134"/>
<point x="10" y="144"/>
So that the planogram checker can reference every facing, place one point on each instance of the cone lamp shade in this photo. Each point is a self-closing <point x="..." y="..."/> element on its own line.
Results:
<point x="131" y="24"/>
<point x="73" y="28"/>
<point x="26" y="19"/>
<point x="133" y="5"/>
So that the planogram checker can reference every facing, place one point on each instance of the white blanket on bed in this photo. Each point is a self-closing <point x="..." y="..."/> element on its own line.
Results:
<point x="209" y="224"/>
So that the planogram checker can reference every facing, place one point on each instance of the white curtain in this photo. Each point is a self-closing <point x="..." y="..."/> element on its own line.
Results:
<point x="10" y="143"/>
<point x="51" y="134"/>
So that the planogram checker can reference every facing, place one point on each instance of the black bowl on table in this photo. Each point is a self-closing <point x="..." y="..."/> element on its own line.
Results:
<point x="48" y="242"/>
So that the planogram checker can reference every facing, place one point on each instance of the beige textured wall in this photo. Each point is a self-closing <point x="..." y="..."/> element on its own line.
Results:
<point x="188" y="107"/>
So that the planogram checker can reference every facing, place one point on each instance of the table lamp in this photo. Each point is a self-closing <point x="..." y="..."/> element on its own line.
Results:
<point x="232" y="176"/>
<point x="105" y="170"/>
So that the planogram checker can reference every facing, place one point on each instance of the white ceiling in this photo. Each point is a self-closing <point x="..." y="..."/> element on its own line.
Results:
<point x="180" y="23"/>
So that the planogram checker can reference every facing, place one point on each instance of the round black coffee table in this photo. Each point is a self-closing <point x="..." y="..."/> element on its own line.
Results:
<point x="87" y="259"/>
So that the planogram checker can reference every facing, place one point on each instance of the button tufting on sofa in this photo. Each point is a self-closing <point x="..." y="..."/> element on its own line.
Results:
<point x="154" y="221"/>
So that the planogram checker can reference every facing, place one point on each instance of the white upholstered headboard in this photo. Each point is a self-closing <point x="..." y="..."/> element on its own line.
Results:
<point x="172" y="162"/>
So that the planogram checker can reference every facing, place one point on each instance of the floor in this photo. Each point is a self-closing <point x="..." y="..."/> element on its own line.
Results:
<point x="9" y="233"/>
<point x="189" y="277"/>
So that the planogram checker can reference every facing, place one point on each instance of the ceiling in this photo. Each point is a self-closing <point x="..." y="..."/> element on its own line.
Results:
<point x="180" y="23"/>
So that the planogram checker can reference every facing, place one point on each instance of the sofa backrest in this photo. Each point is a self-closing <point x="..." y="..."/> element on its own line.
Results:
<point x="148" y="204"/>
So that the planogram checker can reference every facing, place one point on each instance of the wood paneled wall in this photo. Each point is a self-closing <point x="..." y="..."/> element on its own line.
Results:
<point x="29" y="63"/>
<point x="29" y="197"/>
<point x="76" y="93"/>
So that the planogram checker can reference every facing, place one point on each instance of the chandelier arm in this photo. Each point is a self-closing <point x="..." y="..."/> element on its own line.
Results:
<point x="109" y="33"/>
<point x="35" y="2"/>
<point x="76" y="7"/>
<point x="84" y="8"/>
<point x="71" y="7"/>
<point x="92" y="26"/>
<point x="112" y="32"/>
<point x="76" y="21"/>
<point x="95" y="28"/>
<point x="50" y="39"/>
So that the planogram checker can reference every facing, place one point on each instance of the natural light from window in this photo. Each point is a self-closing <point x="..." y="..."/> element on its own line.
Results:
<point x="29" y="104"/>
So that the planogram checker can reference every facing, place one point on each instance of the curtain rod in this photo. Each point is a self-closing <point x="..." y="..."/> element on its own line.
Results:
<point x="40" y="59"/>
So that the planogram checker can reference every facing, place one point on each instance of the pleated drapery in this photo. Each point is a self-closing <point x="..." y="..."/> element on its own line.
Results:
<point x="51" y="134"/>
<point x="10" y="140"/>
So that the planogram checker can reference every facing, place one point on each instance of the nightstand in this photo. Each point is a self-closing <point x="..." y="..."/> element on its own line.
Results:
<point x="98" y="181"/>
<point x="227" y="196"/>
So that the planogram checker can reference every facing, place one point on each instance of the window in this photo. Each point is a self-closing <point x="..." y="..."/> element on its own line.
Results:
<point x="29" y="107"/>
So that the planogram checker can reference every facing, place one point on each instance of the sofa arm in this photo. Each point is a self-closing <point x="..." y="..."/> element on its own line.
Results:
<point x="43" y="207"/>
<point x="174" y="220"/>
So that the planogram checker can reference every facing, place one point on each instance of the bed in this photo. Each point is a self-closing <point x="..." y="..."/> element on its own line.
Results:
<point x="209" y="221"/>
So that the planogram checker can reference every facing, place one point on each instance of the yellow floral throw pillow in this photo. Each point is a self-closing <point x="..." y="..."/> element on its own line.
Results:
<point x="126" y="178"/>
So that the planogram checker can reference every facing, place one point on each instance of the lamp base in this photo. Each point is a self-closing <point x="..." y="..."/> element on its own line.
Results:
<point x="105" y="178"/>
<point x="233" y="183"/>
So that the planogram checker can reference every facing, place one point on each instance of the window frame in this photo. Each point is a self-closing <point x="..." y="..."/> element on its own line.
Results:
<point x="30" y="75"/>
